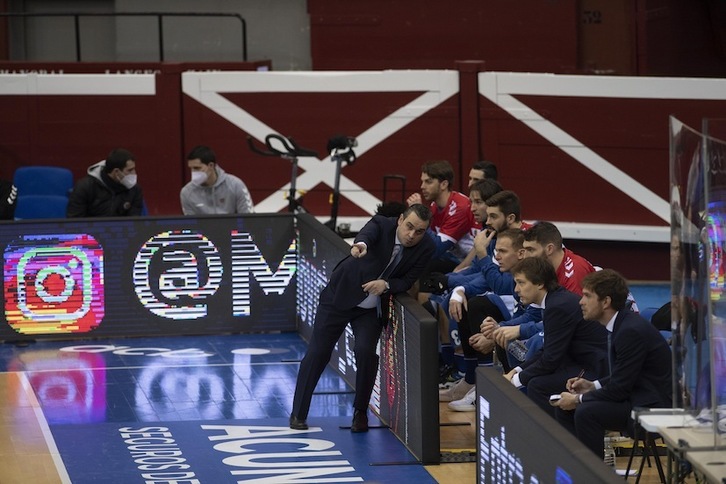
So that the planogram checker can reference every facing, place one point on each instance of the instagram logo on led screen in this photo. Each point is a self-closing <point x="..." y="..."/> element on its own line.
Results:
<point x="54" y="284"/>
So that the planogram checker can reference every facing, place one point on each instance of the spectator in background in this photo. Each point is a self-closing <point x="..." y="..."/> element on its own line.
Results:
<point x="108" y="190"/>
<point x="8" y="200"/>
<point x="212" y="190"/>
<point x="483" y="170"/>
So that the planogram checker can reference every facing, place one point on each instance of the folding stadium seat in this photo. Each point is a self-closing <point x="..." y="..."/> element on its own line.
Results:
<point x="43" y="180"/>
<point x="41" y="206"/>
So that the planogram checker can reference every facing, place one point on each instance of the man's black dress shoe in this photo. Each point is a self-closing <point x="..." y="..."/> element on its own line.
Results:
<point x="360" y="421"/>
<point x="297" y="424"/>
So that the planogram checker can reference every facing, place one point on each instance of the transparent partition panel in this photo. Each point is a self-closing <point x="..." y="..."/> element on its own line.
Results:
<point x="698" y="270"/>
<point x="689" y="269"/>
<point x="715" y="162"/>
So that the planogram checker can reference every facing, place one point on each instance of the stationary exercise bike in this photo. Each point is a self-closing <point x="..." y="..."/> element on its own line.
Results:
<point x="340" y="149"/>
<point x="287" y="149"/>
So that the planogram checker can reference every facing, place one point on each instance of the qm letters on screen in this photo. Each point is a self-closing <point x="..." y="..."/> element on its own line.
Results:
<point x="148" y="276"/>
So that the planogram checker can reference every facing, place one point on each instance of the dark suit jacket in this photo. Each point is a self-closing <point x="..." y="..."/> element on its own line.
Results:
<point x="379" y="234"/>
<point x="641" y="365"/>
<point x="569" y="340"/>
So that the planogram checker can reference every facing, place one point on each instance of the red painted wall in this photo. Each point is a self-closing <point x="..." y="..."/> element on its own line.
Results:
<point x="76" y="132"/>
<point x="526" y="35"/>
<point x="614" y="37"/>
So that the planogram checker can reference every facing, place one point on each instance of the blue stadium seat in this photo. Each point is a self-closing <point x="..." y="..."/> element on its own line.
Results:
<point x="43" y="180"/>
<point x="41" y="206"/>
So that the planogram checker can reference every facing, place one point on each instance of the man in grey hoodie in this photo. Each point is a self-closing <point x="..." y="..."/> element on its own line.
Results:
<point x="212" y="190"/>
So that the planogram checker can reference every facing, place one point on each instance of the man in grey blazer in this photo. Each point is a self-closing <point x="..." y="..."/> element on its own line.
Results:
<point x="375" y="266"/>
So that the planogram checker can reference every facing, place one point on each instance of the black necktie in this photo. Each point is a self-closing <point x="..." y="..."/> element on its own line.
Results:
<point x="610" y="351"/>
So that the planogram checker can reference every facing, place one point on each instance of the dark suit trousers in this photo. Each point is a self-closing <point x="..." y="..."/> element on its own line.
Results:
<point x="589" y="421"/>
<point x="541" y="387"/>
<point x="329" y="325"/>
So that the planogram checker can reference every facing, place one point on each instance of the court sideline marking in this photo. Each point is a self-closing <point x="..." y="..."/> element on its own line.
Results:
<point x="44" y="428"/>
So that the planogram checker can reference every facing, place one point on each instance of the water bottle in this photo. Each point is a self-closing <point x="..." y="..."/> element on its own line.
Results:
<point x="609" y="454"/>
<point x="517" y="349"/>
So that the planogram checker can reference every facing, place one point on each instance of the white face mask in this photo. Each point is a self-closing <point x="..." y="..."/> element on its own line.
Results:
<point x="199" y="177"/>
<point x="129" y="180"/>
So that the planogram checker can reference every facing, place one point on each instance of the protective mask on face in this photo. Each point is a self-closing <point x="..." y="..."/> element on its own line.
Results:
<point x="129" y="180"/>
<point x="199" y="177"/>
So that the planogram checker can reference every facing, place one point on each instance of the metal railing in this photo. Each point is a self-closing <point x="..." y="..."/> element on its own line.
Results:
<point x="159" y="19"/>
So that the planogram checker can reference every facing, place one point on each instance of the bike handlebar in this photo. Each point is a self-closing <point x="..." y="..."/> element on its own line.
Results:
<point x="290" y="147"/>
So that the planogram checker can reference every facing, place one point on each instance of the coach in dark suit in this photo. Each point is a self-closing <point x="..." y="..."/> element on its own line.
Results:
<point x="640" y="362"/>
<point x="388" y="255"/>
<point x="571" y="343"/>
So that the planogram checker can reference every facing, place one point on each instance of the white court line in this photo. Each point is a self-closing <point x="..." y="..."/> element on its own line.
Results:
<point x="43" y="424"/>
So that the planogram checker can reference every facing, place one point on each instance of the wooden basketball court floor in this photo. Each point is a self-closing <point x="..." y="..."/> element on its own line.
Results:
<point x="193" y="409"/>
<point x="210" y="408"/>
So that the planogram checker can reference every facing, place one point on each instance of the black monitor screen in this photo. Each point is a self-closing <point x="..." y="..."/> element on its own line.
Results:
<point x="74" y="278"/>
<point x="519" y="443"/>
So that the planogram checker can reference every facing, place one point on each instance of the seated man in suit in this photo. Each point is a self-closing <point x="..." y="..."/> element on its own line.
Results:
<point x="571" y="343"/>
<point x="639" y="366"/>
<point x="388" y="255"/>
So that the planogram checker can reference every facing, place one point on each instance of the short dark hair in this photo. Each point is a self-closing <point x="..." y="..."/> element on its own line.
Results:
<point x="422" y="211"/>
<point x="203" y="154"/>
<point x="507" y="201"/>
<point x="485" y="187"/>
<point x="544" y="233"/>
<point x="117" y="159"/>
<point x="391" y="209"/>
<point x="489" y="169"/>
<point x="608" y="282"/>
<point x="537" y="270"/>
<point x="440" y="170"/>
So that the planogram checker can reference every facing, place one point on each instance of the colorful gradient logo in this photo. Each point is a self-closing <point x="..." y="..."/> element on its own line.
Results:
<point x="54" y="284"/>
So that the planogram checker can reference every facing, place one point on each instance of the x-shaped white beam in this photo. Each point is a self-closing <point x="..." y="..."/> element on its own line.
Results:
<point x="437" y="87"/>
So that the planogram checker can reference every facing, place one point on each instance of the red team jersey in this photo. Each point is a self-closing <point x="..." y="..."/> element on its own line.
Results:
<point x="572" y="271"/>
<point x="454" y="221"/>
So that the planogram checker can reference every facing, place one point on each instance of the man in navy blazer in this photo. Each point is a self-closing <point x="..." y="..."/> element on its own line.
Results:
<point x="571" y="344"/>
<point x="640" y="362"/>
<point x="375" y="266"/>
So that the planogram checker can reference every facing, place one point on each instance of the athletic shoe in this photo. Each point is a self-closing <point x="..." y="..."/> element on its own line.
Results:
<point x="447" y="384"/>
<point x="456" y="392"/>
<point x="448" y="376"/>
<point x="444" y="371"/>
<point x="466" y="404"/>
<point x="451" y="380"/>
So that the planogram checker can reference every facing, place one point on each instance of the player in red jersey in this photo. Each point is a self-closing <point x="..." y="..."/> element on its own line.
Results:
<point x="451" y="216"/>
<point x="544" y="239"/>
